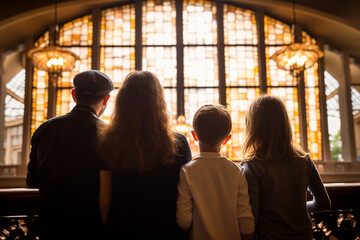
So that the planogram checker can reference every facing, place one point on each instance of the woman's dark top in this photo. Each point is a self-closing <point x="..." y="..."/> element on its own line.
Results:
<point x="144" y="205"/>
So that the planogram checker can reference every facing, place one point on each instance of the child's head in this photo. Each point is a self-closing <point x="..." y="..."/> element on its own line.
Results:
<point x="212" y="124"/>
<point x="268" y="132"/>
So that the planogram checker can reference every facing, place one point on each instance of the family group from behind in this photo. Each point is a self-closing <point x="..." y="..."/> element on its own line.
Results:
<point x="135" y="178"/>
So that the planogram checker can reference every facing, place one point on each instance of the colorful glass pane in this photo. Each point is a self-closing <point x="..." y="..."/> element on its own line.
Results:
<point x="66" y="81"/>
<point x="162" y="62"/>
<point x="239" y="25"/>
<point x="313" y="107"/>
<point x="64" y="101"/>
<point x="39" y="99"/>
<point x="200" y="67"/>
<point x="238" y="100"/>
<point x="199" y="22"/>
<point x="110" y="106"/>
<point x="171" y="100"/>
<point x="42" y="41"/>
<point x="275" y="76"/>
<point x="306" y="38"/>
<point x="118" y="26"/>
<point x="276" y="32"/>
<point x="197" y="97"/>
<point x="194" y="98"/>
<point x="289" y="96"/>
<point x="117" y="63"/>
<point x="159" y="22"/>
<point x="313" y="122"/>
<point x="241" y="66"/>
<point x="77" y="32"/>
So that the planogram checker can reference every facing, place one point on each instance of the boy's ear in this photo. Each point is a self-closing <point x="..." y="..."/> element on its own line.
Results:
<point x="226" y="139"/>
<point x="194" y="135"/>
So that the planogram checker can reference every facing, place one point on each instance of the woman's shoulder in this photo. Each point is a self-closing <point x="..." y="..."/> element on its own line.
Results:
<point x="180" y="137"/>
<point x="183" y="148"/>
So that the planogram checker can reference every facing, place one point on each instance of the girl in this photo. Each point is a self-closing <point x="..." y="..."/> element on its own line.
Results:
<point x="138" y="195"/>
<point x="279" y="174"/>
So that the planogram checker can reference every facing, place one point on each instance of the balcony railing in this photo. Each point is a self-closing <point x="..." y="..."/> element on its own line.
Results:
<point x="19" y="209"/>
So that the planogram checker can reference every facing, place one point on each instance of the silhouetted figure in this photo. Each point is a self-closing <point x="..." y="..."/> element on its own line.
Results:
<point x="143" y="155"/>
<point x="64" y="163"/>
<point x="213" y="201"/>
<point x="279" y="174"/>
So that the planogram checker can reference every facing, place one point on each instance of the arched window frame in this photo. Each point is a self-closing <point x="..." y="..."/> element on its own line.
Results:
<point x="180" y="88"/>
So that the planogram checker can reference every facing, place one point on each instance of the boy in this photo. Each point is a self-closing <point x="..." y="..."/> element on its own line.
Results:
<point x="213" y="200"/>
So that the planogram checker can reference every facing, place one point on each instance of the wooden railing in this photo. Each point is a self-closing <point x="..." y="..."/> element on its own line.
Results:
<point x="19" y="209"/>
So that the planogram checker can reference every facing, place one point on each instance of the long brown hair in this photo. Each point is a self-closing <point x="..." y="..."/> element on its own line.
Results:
<point x="268" y="132"/>
<point x="139" y="136"/>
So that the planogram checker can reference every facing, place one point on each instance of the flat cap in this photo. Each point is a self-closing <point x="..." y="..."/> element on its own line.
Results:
<point x="93" y="82"/>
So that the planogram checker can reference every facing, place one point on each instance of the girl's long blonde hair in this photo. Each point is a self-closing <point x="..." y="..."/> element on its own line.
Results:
<point x="139" y="136"/>
<point x="268" y="134"/>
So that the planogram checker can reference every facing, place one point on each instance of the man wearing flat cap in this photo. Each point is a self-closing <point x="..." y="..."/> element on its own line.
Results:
<point x="64" y="164"/>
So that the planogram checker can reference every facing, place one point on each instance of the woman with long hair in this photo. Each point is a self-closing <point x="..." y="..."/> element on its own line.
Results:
<point x="143" y="157"/>
<point x="279" y="174"/>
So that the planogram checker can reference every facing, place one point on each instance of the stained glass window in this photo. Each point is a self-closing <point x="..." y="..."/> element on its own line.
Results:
<point x="241" y="71"/>
<point x="39" y="99"/>
<point x="65" y="84"/>
<point x="313" y="113"/>
<point x="239" y="25"/>
<point x="159" y="51"/>
<point x="279" y="82"/>
<point x="39" y="92"/>
<point x="200" y="69"/>
<point x="238" y="100"/>
<point x="77" y="35"/>
<point x="289" y="96"/>
<point x="199" y="20"/>
<point x="162" y="62"/>
<point x="276" y="32"/>
<point x="241" y="66"/>
<point x="118" y="26"/>
<point x="117" y="52"/>
<point x="77" y="32"/>
<point x="43" y="41"/>
<point x="159" y="23"/>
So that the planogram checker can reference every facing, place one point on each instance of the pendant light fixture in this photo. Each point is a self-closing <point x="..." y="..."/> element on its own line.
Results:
<point x="297" y="56"/>
<point x="53" y="58"/>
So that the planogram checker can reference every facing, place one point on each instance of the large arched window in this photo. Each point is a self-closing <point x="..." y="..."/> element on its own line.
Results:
<point x="202" y="52"/>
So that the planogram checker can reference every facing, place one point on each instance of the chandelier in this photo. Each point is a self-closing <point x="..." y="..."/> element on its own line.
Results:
<point x="297" y="56"/>
<point x="53" y="58"/>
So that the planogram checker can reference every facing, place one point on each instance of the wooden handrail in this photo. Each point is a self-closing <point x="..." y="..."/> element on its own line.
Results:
<point x="26" y="201"/>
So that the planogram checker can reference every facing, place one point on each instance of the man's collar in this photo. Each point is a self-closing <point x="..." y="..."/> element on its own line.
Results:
<point x="82" y="107"/>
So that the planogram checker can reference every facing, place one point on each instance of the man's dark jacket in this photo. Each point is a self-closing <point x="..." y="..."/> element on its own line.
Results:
<point x="64" y="165"/>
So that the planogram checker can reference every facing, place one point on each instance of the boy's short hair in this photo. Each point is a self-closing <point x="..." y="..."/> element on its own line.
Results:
<point x="212" y="124"/>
